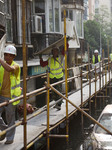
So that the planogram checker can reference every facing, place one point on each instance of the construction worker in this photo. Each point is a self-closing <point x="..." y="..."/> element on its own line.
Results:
<point x="111" y="60"/>
<point x="96" y="61"/>
<point x="55" y="64"/>
<point x="96" y="58"/>
<point x="9" y="89"/>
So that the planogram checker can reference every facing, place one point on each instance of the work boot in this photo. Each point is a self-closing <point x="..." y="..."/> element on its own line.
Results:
<point x="2" y="137"/>
<point x="9" y="142"/>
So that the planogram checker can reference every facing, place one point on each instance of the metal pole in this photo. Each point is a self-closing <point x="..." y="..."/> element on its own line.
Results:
<point x="66" y="87"/>
<point x="24" y="71"/>
<point x="48" y="92"/>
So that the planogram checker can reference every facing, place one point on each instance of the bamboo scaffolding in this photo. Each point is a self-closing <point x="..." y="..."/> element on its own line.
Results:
<point x="78" y="108"/>
<point x="24" y="71"/>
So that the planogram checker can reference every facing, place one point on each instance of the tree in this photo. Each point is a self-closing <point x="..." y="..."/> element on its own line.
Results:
<point x="92" y="35"/>
<point x="97" y="31"/>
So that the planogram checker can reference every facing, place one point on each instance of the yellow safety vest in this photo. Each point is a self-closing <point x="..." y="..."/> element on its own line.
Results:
<point x="15" y="83"/>
<point x="56" y="68"/>
<point x="94" y="59"/>
<point x="111" y="57"/>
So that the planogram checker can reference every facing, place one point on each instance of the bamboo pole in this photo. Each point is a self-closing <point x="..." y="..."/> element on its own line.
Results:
<point x="24" y="71"/>
<point x="95" y="87"/>
<point x="48" y="92"/>
<point x="108" y="53"/>
<point x="66" y="87"/>
<point x="89" y="81"/>
<point x="82" y="119"/>
<point x="106" y="79"/>
<point x="58" y="136"/>
<point x="102" y="68"/>
<point x="78" y="108"/>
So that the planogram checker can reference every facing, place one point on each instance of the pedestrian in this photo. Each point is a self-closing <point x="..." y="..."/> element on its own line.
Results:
<point x="9" y="89"/>
<point x="55" y="64"/>
<point x="96" y="59"/>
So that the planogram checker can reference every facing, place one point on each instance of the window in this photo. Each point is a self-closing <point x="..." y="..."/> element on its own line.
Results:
<point x="8" y="20"/>
<point x="79" y="23"/>
<point x="39" y="6"/>
<point x="8" y="29"/>
<point x="54" y="16"/>
<point x="69" y="14"/>
<point x="106" y="121"/>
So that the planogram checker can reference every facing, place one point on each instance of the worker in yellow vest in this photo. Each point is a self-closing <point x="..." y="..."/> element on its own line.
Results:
<point x="96" y="61"/>
<point x="111" y="57"/>
<point x="9" y="89"/>
<point x="111" y="60"/>
<point x="96" y="58"/>
<point x="55" y="64"/>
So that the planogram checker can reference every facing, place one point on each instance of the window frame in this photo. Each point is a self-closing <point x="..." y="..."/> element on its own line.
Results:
<point x="53" y="13"/>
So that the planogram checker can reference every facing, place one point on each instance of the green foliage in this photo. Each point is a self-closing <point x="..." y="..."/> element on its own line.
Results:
<point x="101" y="26"/>
<point x="92" y="31"/>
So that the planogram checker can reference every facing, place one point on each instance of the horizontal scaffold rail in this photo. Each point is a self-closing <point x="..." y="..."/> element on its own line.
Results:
<point x="37" y="122"/>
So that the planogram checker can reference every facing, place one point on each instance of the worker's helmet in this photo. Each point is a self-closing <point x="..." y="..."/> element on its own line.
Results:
<point x="10" y="49"/>
<point x="96" y="51"/>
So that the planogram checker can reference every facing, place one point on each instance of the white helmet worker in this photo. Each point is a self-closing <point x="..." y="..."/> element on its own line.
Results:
<point x="95" y="51"/>
<point x="10" y="49"/>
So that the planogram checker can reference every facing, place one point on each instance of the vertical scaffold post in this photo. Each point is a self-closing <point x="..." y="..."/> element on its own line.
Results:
<point x="102" y="68"/>
<point x="95" y="87"/>
<point x="82" y="119"/>
<point x="66" y="85"/>
<point x="89" y="82"/>
<point x="24" y="72"/>
<point x="108" y="53"/>
<point x="106" y="79"/>
<point x="109" y="66"/>
<point x="48" y="97"/>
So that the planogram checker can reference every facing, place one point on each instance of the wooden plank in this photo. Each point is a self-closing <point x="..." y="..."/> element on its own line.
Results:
<point x="49" y="48"/>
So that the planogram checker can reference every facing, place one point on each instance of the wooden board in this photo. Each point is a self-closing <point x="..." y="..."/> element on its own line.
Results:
<point x="49" y="48"/>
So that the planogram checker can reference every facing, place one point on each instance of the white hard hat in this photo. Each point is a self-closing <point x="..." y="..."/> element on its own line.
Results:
<point x="96" y="51"/>
<point x="10" y="49"/>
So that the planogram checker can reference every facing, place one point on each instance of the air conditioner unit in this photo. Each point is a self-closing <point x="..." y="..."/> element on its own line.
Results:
<point x="37" y="24"/>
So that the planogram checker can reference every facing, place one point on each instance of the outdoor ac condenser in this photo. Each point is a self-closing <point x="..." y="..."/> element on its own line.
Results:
<point x="38" y="24"/>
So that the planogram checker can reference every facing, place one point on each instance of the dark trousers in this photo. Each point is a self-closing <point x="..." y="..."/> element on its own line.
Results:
<point x="55" y="96"/>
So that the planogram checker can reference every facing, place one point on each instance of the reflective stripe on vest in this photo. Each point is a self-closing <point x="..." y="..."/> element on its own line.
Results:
<point x="56" y="70"/>
<point x="94" y="59"/>
<point x="15" y="83"/>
